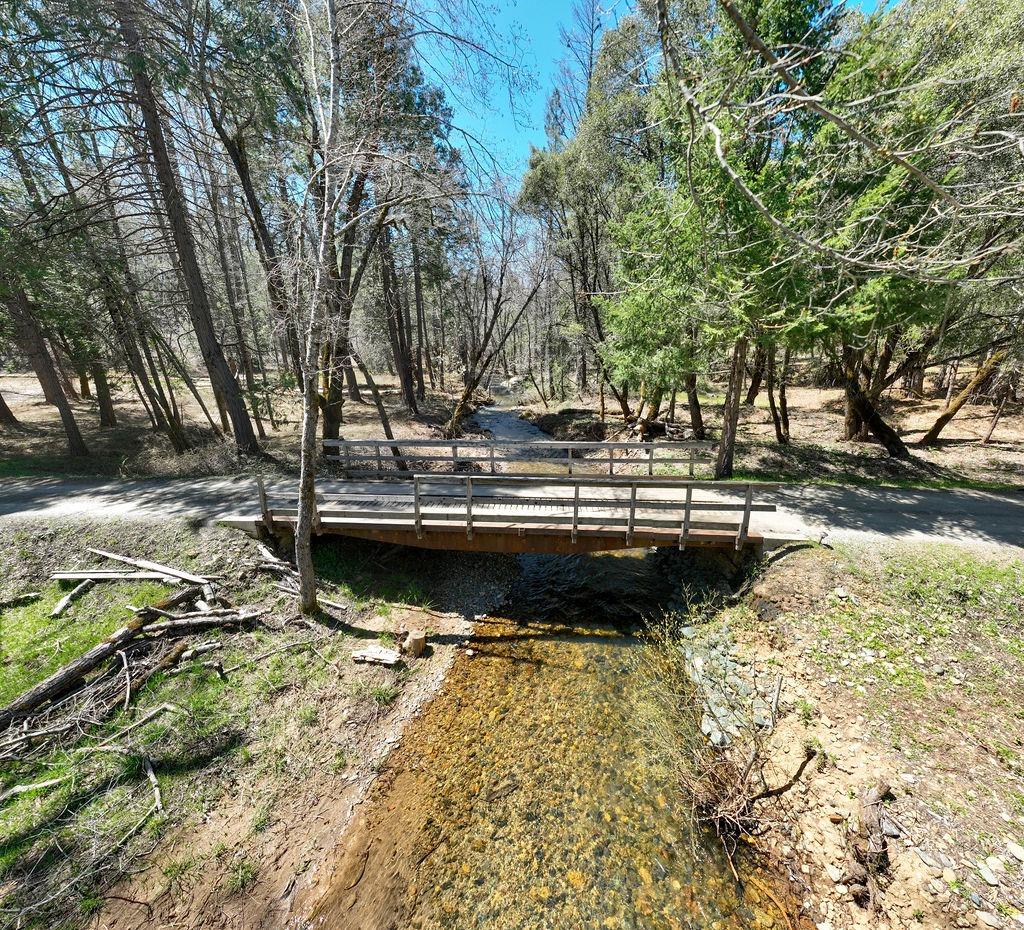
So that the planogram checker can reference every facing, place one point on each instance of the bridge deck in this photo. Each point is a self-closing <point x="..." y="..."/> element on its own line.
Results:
<point x="526" y="514"/>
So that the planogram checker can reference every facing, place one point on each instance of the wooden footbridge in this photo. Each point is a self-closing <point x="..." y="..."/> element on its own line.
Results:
<point x="499" y="496"/>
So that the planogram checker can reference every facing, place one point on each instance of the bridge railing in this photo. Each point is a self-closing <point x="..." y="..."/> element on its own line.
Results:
<point x="671" y="510"/>
<point x="393" y="458"/>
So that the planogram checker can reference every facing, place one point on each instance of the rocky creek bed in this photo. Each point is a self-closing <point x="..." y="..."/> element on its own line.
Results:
<point x="521" y="797"/>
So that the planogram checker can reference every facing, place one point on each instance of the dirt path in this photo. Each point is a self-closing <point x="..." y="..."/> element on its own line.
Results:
<point x="803" y="510"/>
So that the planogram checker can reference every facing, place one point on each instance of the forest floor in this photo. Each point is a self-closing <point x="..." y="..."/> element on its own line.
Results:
<point x="259" y="771"/>
<point x="900" y="663"/>
<point x="817" y="454"/>
<point x="133" y="450"/>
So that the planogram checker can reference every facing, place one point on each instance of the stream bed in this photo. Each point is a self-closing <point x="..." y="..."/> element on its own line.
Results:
<point x="521" y="797"/>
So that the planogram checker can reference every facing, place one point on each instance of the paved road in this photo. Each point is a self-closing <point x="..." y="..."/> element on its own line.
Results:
<point x="803" y="510"/>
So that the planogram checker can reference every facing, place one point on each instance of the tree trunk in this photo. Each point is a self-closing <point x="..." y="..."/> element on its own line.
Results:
<point x="781" y="434"/>
<point x="234" y="306"/>
<point x="881" y="430"/>
<point x="756" y="375"/>
<point x="992" y="425"/>
<point x="62" y="373"/>
<point x="693" y="405"/>
<point x="783" y="403"/>
<point x="731" y="411"/>
<point x="397" y="328"/>
<point x="417" y="287"/>
<point x="7" y="417"/>
<point x="981" y="375"/>
<point x="108" y="418"/>
<point x="31" y="341"/>
<point x="179" y="366"/>
<point x="199" y="303"/>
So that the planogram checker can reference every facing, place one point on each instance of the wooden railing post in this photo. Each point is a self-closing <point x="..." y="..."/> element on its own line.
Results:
<point x="741" y="536"/>
<point x="650" y="460"/>
<point x="632" y="514"/>
<point x="569" y="448"/>
<point x="348" y="458"/>
<point x="611" y="460"/>
<point x="416" y="506"/>
<point x="469" y="506"/>
<point x="380" y="466"/>
<point x="575" y="510"/>
<point x="494" y="469"/>
<point x="684" y="533"/>
<point x="268" y="517"/>
<point x="693" y="453"/>
<point x="455" y="458"/>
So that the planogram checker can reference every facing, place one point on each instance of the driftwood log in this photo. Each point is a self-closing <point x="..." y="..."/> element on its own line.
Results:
<point x="867" y="850"/>
<point x="64" y="679"/>
<point x="67" y="678"/>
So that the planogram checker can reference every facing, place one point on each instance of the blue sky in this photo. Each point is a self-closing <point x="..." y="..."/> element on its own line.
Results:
<point x="508" y="127"/>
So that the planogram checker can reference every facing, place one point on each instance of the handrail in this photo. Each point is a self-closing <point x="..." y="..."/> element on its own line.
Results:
<point x="442" y="509"/>
<point x="601" y="481"/>
<point x="541" y="443"/>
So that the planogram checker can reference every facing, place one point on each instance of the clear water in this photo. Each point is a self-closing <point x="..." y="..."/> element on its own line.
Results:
<point x="520" y="798"/>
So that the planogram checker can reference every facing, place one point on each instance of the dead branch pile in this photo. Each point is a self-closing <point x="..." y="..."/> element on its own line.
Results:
<point x="85" y="692"/>
<point x="288" y="576"/>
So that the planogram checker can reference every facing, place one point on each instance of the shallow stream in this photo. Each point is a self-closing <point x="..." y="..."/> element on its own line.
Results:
<point x="522" y="799"/>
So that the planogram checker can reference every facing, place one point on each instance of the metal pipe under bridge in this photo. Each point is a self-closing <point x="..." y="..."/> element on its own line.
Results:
<point x="472" y="502"/>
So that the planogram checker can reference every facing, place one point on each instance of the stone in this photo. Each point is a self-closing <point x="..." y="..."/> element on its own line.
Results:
<point x="1016" y="850"/>
<point x="995" y="864"/>
<point x="834" y="872"/>
<point x="377" y="655"/>
<point x="987" y="876"/>
<point x="415" y="643"/>
<point x="948" y="876"/>
<point x="989" y="920"/>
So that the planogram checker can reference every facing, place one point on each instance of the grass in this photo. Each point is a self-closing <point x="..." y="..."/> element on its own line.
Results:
<point x="33" y="645"/>
<point x="49" y="838"/>
<point x="930" y="636"/>
<point x="241" y="875"/>
<point x="358" y="574"/>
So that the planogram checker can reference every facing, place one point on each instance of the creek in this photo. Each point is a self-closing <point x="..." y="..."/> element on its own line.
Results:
<point x="522" y="797"/>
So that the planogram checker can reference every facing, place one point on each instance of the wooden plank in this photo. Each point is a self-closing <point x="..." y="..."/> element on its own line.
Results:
<point x="95" y="574"/>
<point x="147" y="565"/>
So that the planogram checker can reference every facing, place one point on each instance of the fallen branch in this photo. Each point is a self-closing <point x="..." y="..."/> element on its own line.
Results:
<point x="66" y="600"/>
<point x="64" y="678"/>
<point x="20" y="599"/>
<point x="89" y="574"/>
<point x="38" y="786"/>
<point x="152" y="566"/>
<point x="142" y="721"/>
<point x="151" y="775"/>
<point x="194" y="622"/>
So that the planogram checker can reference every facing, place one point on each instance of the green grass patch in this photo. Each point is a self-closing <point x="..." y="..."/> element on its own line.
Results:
<point x="358" y="574"/>
<point x="33" y="645"/>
